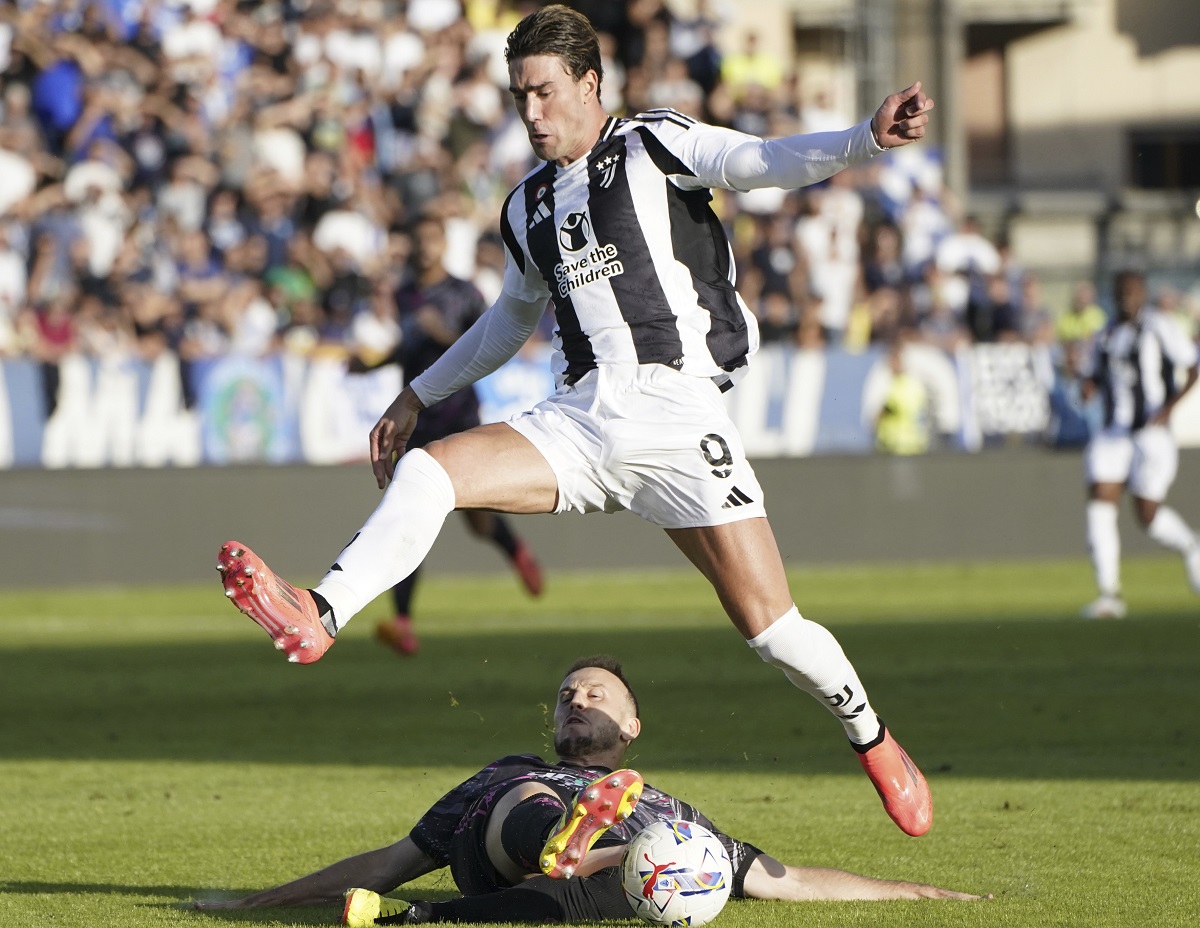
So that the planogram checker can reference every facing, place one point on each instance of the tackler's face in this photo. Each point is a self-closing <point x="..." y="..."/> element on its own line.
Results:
<point x="554" y="106"/>
<point x="594" y="713"/>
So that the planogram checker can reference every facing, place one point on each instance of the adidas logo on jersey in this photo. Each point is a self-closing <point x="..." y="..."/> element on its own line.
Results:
<point x="542" y="212"/>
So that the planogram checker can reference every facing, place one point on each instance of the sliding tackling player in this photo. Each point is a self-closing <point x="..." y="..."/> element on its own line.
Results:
<point x="526" y="840"/>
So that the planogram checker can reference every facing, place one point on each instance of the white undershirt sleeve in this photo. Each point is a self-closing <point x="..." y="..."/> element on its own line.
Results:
<point x="798" y="160"/>
<point x="495" y="337"/>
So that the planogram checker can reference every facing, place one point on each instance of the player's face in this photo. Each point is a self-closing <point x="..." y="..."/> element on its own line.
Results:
<point x="1131" y="295"/>
<point x="593" y="715"/>
<point x="559" y="112"/>
<point x="429" y="244"/>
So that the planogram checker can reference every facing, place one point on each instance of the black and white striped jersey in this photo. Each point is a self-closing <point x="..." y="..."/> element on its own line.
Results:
<point x="1136" y="365"/>
<point x="626" y="245"/>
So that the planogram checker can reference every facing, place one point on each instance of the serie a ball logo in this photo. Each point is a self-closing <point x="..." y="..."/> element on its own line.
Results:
<point x="575" y="232"/>
<point x="675" y="874"/>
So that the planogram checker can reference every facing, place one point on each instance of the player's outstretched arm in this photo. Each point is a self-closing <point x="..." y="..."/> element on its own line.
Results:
<point x="767" y="878"/>
<point x="901" y="118"/>
<point x="495" y="337"/>
<point x="381" y="870"/>
<point x="799" y="160"/>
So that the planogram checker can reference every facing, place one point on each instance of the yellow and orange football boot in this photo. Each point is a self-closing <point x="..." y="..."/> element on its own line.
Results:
<point x="599" y="805"/>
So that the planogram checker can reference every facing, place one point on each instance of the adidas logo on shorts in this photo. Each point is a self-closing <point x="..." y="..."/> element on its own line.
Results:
<point x="735" y="499"/>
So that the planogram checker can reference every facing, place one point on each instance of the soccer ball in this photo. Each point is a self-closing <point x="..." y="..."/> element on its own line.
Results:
<point x="676" y="873"/>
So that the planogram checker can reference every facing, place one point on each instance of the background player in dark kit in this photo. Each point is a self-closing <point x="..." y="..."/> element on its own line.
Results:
<point x="435" y="309"/>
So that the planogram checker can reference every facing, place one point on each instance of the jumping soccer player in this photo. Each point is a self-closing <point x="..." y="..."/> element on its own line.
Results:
<point x="615" y="227"/>
<point x="1136" y="362"/>
<point x="518" y="819"/>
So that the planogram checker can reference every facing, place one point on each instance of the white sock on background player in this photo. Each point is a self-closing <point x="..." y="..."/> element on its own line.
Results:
<point x="394" y="540"/>
<point x="1104" y="544"/>
<point x="1169" y="530"/>
<point x="813" y="660"/>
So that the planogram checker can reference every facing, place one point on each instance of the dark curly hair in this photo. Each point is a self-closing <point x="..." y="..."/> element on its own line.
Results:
<point x="559" y="31"/>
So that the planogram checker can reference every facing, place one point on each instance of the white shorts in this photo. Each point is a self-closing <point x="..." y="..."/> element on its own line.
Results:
<point x="1146" y="461"/>
<point x="648" y="439"/>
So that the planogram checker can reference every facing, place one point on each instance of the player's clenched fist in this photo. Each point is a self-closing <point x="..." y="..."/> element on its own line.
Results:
<point x="902" y="117"/>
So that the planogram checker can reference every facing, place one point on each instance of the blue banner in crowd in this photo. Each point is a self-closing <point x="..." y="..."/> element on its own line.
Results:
<point x="517" y="386"/>
<point x="22" y="413"/>
<point x="246" y="414"/>
<point x="294" y="409"/>
<point x="842" y="427"/>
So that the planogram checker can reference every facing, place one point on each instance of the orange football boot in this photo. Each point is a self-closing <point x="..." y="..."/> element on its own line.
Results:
<point x="904" y="792"/>
<point x="397" y="633"/>
<point x="285" y="613"/>
<point x="527" y="569"/>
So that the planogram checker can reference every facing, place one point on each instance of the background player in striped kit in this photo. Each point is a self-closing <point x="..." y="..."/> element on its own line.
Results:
<point x="1135" y="369"/>
<point x="616" y="228"/>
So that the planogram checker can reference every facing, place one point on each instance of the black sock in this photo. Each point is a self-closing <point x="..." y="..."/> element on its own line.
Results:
<point x="539" y="900"/>
<point x="416" y="914"/>
<point x="874" y="742"/>
<point x="527" y="826"/>
<point x="402" y="593"/>
<point x="502" y="535"/>
<point x="324" y="612"/>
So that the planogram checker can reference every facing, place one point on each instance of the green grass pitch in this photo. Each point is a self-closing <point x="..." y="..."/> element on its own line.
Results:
<point x="156" y="750"/>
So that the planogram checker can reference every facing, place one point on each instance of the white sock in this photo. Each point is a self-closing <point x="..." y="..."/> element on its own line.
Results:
<point x="812" y="659"/>
<point x="395" y="539"/>
<point x="1104" y="543"/>
<point x="1169" y="530"/>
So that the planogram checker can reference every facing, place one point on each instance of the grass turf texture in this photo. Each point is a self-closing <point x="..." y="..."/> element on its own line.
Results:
<point x="156" y="749"/>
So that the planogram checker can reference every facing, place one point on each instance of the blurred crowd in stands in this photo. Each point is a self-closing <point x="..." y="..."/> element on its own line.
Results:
<point x="241" y="176"/>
